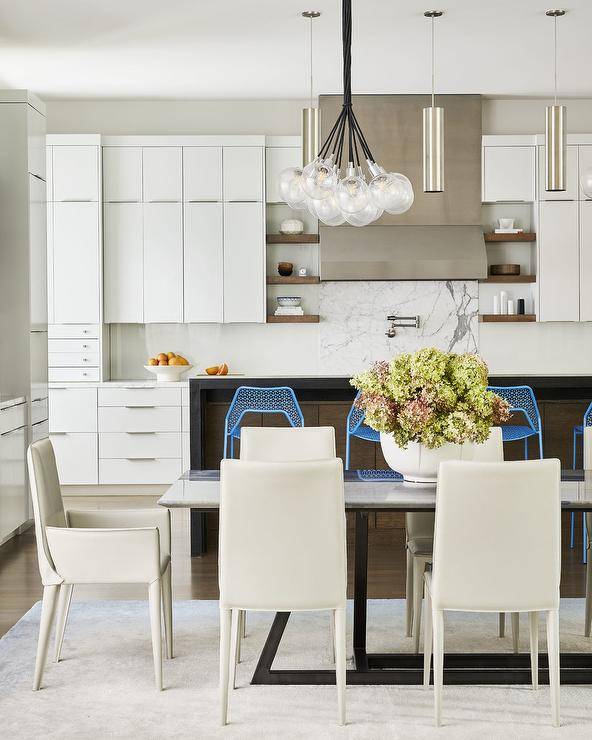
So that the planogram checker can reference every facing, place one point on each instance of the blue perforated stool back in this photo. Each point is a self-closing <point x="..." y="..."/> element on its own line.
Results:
<point x="578" y="431"/>
<point x="247" y="399"/>
<point x="521" y="398"/>
<point x="355" y="427"/>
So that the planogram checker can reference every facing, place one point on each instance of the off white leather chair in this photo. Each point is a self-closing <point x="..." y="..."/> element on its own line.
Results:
<point x="519" y="564"/>
<point x="419" y="528"/>
<point x="275" y="556"/>
<point x="132" y="546"/>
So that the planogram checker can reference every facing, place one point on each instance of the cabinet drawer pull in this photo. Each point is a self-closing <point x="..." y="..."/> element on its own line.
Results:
<point x="141" y="432"/>
<point x="76" y="200"/>
<point x="56" y="433"/>
<point x="139" y="407"/>
<point x="140" y="459"/>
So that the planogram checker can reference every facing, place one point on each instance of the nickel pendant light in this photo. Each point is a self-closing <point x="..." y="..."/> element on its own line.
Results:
<point x="555" y="127"/>
<point x="310" y="115"/>
<point x="333" y="185"/>
<point x="433" y="128"/>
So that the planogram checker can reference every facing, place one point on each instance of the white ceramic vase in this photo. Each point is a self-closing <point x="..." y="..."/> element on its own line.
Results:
<point x="419" y="464"/>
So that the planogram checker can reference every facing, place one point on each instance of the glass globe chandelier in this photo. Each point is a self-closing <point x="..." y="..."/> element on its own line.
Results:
<point x="334" y="186"/>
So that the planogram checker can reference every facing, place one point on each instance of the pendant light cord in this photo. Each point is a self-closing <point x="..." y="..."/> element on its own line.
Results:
<point x="433" y="65"/>
<point x="555" y="58"/>
<point x="311" y="81"/>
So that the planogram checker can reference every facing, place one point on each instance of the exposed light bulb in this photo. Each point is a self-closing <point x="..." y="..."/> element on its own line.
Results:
<point x="364" y="217"/>
<point x="586" y="182"/>
<point x="352" y="192"/>
<point x="405" y="197"/>
<point x="290" y="185"/>
<point x="328" y="211"/>
<point x="319" y="178"/>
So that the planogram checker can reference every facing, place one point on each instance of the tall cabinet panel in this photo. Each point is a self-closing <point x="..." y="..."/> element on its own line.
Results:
<point x="162" y="174"/>
<point x="243" y="173"/>
<point x="559" y="272"/>
<point x="123" y="272"/>
<point x="244" y="263"/>
<point x="203" y="262"/>
<point x="202" y="173"/>
<point x="585" y="260"/>
<point x="122" y="174"/>
<point x="75" y="172"/>
<point x="13" y="499"/>
<point x="163" y="262"/>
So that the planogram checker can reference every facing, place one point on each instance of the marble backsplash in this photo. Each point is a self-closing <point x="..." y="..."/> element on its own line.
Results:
<point x="353" y="320"/>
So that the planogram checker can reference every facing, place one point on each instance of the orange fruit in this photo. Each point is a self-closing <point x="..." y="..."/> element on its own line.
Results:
<point x="153" y="361"/>
<point x="163" y="362"/>
<point x="182" y="360"/>
<point x="162" y="357"/>
<point x="212" y="370"/>
<point x="223" y="369"/>
<point x="175" y="361"/>
<point x="170" y="355"/>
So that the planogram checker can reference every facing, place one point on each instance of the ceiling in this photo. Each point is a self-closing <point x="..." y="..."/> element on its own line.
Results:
<point x="188" y="49"/>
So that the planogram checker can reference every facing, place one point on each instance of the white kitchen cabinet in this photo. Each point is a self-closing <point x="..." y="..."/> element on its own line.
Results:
<point x="202" y="173"/>
<point x="118" y="445"/>
<point x="278" y="159"/>
<point x="586" y="260"/>
<point x="163" y="262"/>
<point x="38" y="364"/>
<point x="162" y="174"/>
<point x="244" y="262"/>
<point x="584" y="164"/>
<point x="72" y="410"/>
<point x="74" y="374"/>
<point x="123" y="254"/>
<point x="76" y="458"/>
<point x="75" y="172"/>
<point x="131" y="396"/>
<point x="558" y="261"/>
<point x="243" y="173"/>
<point x="13" y="499"/>
<point x="139" y="419"/>
<point x="571" y="176"/>
<point x="122" y="174"/>
<point x="36" y="142"/>
<point x="139" y="471"/>
<point x="37" y="253"/>
<point x="508" y="173"/>
<point x="73" y="331"/>
<point x="76" y="263"/>
<point x="203" y="264"/>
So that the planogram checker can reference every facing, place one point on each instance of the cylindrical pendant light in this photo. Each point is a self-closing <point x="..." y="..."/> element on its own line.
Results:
<point x="555" y="128"/>
<point x="433" y="129"/>
<point x="310" y="115"/>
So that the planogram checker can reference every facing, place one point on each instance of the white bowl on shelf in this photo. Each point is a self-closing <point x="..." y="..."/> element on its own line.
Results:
<point x="168" y="373"/>
<point x="289" y="301"/>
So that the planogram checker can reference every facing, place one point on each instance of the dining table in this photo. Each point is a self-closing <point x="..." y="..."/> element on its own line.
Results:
<point x="368" y="491"/>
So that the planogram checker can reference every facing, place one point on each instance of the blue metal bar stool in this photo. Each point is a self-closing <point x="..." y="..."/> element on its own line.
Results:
<point x="278" y="400"/>
<point x="578" y="431"/>
<point x="355" y="427"/>
<point x="521" y="398"/>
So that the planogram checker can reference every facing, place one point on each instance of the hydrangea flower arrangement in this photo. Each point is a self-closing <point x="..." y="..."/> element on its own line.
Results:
<point x="431" y="397"/>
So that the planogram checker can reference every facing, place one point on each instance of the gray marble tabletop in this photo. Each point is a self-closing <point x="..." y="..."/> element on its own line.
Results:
<point x="200" y="489"/>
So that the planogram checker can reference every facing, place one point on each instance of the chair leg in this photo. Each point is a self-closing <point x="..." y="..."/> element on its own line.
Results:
<point x="167" y="608"/>
<point x="501" y="624"/>
<point x="515" y="631"/>
<point x="225" y="628"/>
<point x="438" y="632"/>
<point x="409" y="595"/>
<point x="332" y="631"/>
<point x="533" y="620"/>
<point x="235" y="641"/>
<point x="154" y="595"/>
<point x="572" y="527"/>
<point x="554" y="674"/>
<point x="588" y="613"/>
<point x="584" y="540"/>
<point x="526" y="448"/>
<point x="48" y="607"/>
<point x="340" y="665"/>
<point x="427" y="640"/>
<point x="63" y="609"/>
<point x="244" y="616"/>
<point x="418" y="571"/>
<point x="574" y="448"/>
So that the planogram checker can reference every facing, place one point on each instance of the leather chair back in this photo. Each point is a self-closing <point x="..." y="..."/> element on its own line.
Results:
<point x="48" y="507"/>
<point x="282" y="535"/>
<point x="279" y="444"/>
<point x="497" y="537"/>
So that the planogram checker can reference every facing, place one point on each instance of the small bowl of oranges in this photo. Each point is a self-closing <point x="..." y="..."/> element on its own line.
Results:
<point x="168" y="366"/>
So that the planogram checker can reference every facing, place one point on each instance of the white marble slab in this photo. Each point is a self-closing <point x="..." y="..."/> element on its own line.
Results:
<point x="353" y="320"/>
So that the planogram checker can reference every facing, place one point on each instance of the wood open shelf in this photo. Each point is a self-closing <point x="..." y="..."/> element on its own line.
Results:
<point x="306" y="319"/>
<point x="499" y="318"/>
<point x="525" y="236"/>
<point x="292" y="238"/>
<point x="292" y="280"/>
<point x="509" y="279"/>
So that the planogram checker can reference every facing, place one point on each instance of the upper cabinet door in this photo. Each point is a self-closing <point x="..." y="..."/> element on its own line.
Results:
<point x="162" y="174"/>
<point x="278" y="159"/>
<point x="75" y="171"/>
<point x="558" y="264"/>
<point x="244" y="262"/>
<point x="202" y="173"/>
<point x="163" y="263"/>
<point x="584" y="164"/>
<point x="36" y="134"/>
<point x="76" y="263"/>
<point x="243" y="173"/>
<point x="586" y="260"/>
<point x="203" y="262"/>
<point x="123" y="263"/>
<point x="571" y="176"/>
<point x="37" y="253"/>
<point x="508" y="173"/>
<point x="122" y="174"/>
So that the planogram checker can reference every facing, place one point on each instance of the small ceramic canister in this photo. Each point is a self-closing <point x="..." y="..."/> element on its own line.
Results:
<point x="291" y="226"/>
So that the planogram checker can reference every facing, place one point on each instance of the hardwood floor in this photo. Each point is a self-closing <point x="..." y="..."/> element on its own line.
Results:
<point x="197" y="578"/>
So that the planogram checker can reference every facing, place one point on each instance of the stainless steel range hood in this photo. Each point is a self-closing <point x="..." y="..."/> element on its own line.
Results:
<point x="441" y="237"/>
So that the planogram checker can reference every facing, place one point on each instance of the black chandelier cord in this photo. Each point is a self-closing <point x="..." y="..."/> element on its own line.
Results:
<point x="356" y="140"/>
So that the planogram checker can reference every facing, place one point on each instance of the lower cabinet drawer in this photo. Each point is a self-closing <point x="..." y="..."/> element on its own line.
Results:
<point x="146" y="471"/>
<point x="39" y="431"/>
<point x="140" y="444"/>
<point x="13" y="417"/>
<point x="73" y="345"/>
<point x="186" y="452"/>
<point x="73" y="359"/>
<point x="76" y="457"/>
<point x="72" y="331"/>
<point x="140" y="419"/>
<point x="39" y="411"/>
<point x="74" y="374"/>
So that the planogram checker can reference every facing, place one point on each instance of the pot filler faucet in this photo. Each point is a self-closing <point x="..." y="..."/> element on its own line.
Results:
<point x="398" y="322"/>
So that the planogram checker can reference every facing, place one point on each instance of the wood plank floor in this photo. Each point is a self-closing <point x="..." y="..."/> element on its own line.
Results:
<point x="197" y="578"/>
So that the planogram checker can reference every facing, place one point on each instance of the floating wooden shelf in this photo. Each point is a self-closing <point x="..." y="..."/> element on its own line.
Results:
<point x="292" y="238"/>
<point x="499" y="318"/>
<point x="306" y="319"/>
<point x="509" y="279"/>
<point x="293" y="280"/>
<point x="525" y="236"/>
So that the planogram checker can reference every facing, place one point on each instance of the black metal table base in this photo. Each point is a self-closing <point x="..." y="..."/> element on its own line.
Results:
<point x="407" y="668"/>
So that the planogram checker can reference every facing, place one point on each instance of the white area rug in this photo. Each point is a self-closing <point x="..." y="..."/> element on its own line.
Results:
<point x="104" y="685"/>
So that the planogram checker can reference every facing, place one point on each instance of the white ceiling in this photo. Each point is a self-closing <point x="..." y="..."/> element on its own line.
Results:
<point x="237" y="49"/>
